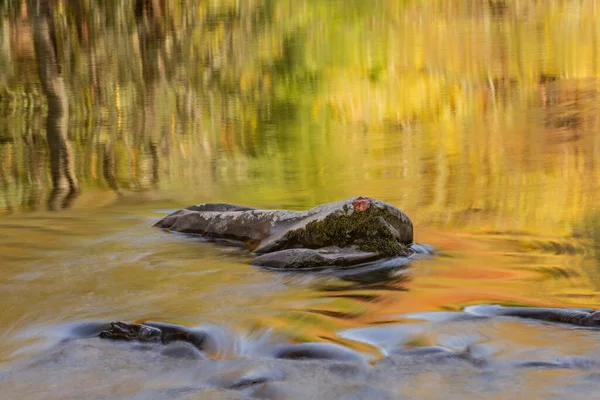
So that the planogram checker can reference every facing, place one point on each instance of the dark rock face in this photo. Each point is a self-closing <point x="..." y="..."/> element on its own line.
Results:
<point x="572" y="316"/>
<point x="307" y="258"/>
<point x="344" y="233"/>
<point x="132" y="332"/>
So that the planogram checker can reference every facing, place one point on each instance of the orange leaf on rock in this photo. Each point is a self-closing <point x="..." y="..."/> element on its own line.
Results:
<point x="361" y="203"/>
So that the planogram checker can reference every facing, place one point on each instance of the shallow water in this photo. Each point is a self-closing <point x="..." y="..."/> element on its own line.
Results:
<point x="479" y="120"/>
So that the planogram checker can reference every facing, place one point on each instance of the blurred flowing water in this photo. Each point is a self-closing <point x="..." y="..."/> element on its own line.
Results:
<point x="478" y="119"/>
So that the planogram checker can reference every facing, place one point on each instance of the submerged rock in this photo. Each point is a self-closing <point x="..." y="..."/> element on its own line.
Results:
<point x="344" y="233"/>
<point x="186" y="342"/>
<point x="317" y="351"/>
<point x="572" y="316"/>
<point x="155" y="332"/>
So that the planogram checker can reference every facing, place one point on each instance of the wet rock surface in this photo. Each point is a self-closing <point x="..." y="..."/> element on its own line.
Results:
<point x="346" y="233"/>
<point x="572" y="316"/>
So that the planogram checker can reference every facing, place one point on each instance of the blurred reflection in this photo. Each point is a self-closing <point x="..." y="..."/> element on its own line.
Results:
<point x="109" y="167"/>
<point x="483" y="119"/>
<point x="65" y="186"/>
<point x="344" y="300"/>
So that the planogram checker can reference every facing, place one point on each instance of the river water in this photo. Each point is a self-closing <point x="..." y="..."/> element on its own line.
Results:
<point x="478" y="119"/>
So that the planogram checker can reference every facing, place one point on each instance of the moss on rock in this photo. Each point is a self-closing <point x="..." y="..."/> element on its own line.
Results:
<point x="368" y="230"/>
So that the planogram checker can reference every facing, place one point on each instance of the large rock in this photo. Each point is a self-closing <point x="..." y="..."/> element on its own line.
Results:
<point x="343" y="233"/>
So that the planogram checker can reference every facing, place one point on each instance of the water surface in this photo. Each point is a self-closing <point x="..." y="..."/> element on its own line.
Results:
<point x="478" y="119"/>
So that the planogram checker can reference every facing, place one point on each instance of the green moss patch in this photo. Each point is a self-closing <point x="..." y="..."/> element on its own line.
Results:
<point x="363" y="229"/>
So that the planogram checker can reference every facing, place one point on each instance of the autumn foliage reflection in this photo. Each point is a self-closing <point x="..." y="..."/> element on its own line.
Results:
<point x="484" y="117"/>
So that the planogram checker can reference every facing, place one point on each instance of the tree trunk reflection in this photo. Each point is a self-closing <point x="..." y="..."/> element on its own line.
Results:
<point x="65" y="186"/>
